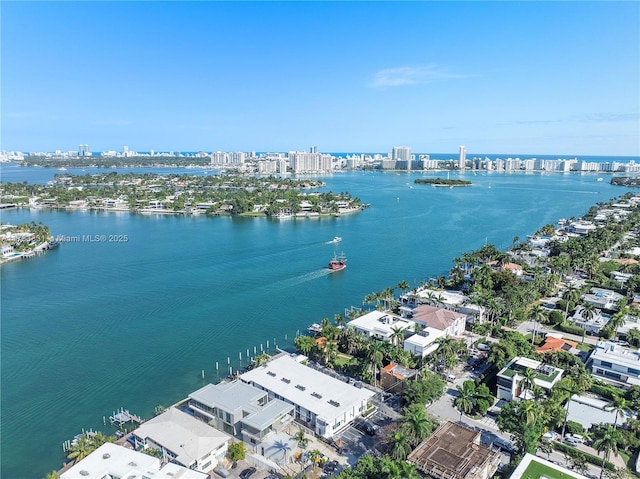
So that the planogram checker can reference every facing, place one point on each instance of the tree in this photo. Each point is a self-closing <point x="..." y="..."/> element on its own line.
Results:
<point x="617" y="320"/>
<point x="52" y="475"/>
<point x="607" y="442"/>
<point x="465" y="401"/>
<point x="619" y="406"/>
<point x="304" y="344"/>
<point x="527" y="383"/>
<point x="571" y="295"/>
<point x="315" y="456"/>
<point x="81" y="449"/>
<point x="400" y="446"/>
<point x="375" y="356"/>
<point x="415" y="424"/>
<point x="236" y="451"/>
<point x="633" y="336"/>
<point x="537" y="314"/>
<point x="397" y="335"/>
<point x="301" y="438"/>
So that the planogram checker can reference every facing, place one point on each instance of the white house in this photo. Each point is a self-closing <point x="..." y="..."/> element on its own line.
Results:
<point x="183" y="440"/>
<point x="380" y="324"/>
<point x="593" y="324"/>
<point x="615" y="364"/>
<point x="111" y="460"/>
<point x="423" y="342"/>
<point x="450" y="322"/>
<point x="603" y="298"/>
<point x="325" y="404"/>
<point x="509" y="384"/>
<point x="241" y="410"/>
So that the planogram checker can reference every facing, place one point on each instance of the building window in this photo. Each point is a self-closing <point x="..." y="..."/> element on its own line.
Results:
<point x="634" y="371"/>
<point x="606" y="364"/>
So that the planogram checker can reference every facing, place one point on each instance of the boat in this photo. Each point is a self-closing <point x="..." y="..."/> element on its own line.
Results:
<point x="600" y="179"/>
<point x="336" y="264"/>
<point x="336" y="239"/>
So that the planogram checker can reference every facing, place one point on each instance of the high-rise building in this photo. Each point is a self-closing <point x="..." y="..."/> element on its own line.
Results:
<point x="401" y="153"/>
<point x="313" y="149"/>
<point x="462" y="160"/>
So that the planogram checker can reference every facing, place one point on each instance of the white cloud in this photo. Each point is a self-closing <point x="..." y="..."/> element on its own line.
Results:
<point x="400" y="76"/>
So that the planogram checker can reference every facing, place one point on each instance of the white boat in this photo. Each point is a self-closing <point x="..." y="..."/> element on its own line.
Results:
<point x="600" y="179"/>
<point x="336" y="239"/>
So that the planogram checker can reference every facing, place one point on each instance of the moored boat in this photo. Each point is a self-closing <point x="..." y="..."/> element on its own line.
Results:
<point x="336" y="264"/>
<point x="336" y="239"/>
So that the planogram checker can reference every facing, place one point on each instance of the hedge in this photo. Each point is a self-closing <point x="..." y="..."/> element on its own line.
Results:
<point x="572" y="451"/>
<point x="603" y="390"/>
<point x="569" y="328"/>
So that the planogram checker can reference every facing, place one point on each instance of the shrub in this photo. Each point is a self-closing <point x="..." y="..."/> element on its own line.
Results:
<point x="570" y="328"/>
<point x="603" y="390"/>
<point x="575" y="427"/>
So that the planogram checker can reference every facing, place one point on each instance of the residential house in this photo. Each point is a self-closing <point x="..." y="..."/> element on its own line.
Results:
<point x="603" y="298"/>
<point x="555" y="342"/>
<point x="323" y="403"/>
<point x="591" y="325"/>
<point x="509" y="383"/>
<point x="454" y="451"/>
<point x="615" y="364"/>
<point x="453" y="300"/>
<point x="183" y="440"/>
<point x="111" y="460"/>
<point x="394" y="376"/>
<point x="423" y="342"/>
<point x="241" y="410"/>
<point x="513" y="267"/>
<point x="449" y="322"/>
<point x="380" y="325"/>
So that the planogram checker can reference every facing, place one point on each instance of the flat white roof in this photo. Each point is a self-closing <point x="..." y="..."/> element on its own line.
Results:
<point x="606" y="351"/>
<point x="429" y="335"/>
<point x="380" y="322"/>
<point x="112" y="460"/>
<point x="306" y="387"/>
<point x="184" y="435"/>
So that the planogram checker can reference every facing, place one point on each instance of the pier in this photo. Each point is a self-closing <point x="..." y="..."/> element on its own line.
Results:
<point x="123" y="416"/>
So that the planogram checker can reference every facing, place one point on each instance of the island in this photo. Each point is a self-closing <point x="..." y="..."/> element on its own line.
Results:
<point x="441" y="182"/>
<point x="25" y="241"/>
<point x="150" y="193"/>
<point x="626" y="181"/>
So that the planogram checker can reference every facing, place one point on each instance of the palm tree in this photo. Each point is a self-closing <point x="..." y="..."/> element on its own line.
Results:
<point x="537" y="314"/>
<point x="527" y="383"/>
<point x="608" y="442"/>
<point x="82" y="448"/>
<point x="375" y="355"/>
<point x="528" y="411"/>
<point x="465" y="402"/>
<point x="301" y="438"/>
<point x="415" y="424"/>
<point x="569" y="387"/>
<point x="403" y="286"/>
<point x="400" y="446"/>
<point x="619" y="406"/>
<point x="571" y="295"/>
<point x="633" y="336"/>
<point x="617" y="320"/>
<point x="397" y="335"/>
<point x="52" y="475"/>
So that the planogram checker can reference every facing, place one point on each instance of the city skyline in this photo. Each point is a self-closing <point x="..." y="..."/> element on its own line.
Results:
<point x="540" y="78"/>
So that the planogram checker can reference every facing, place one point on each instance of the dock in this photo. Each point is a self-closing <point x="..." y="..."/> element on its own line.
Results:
<point x="123" y="416"/>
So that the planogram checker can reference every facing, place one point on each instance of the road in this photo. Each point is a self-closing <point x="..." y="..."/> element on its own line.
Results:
<point x="528" y="326"/>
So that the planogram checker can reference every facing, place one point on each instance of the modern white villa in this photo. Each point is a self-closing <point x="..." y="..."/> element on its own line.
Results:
<point x="241" y="410"/>
<point x="380" y="325"/>
<point x="111" y="460"/>
<point x="510" y="378"/>
<point x="615" y="364"/>
<point x="603" y="298"/>
<point x="591" y="324"/>
<point x="183" y="440"/>
<point x="322" y="403"/>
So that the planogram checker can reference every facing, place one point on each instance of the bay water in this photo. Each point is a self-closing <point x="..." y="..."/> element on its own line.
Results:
<point x="95" y="326"/>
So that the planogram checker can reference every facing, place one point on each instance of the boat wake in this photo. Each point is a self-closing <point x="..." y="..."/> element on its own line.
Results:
<point x="303" y="278"/>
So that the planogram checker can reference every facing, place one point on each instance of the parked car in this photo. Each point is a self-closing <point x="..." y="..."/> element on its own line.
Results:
<point x="330" y="467"/>
<point x="504" y="445"/>
<point x="247" y="473"/>
<point x="366" y="427"/>
<point x="221" y="471"/>
<point x="550" y="435"/>
<point x="572" y="441"/>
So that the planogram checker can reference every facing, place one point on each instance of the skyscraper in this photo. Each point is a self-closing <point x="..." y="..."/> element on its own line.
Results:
<point x="462" y="160"/>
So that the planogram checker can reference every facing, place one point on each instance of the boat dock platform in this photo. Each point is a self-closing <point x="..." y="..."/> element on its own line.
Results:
<point x="123" y="416"/>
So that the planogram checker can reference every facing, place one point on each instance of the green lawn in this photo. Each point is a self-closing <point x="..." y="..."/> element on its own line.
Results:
<point x="343" y="360"/>
<point x="536" y="470"/>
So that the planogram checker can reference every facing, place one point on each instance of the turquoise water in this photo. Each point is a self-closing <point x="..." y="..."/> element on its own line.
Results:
<point x="92" y="327"/>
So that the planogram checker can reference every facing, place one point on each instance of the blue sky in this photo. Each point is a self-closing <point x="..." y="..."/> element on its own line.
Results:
<point x="499" y="77"/>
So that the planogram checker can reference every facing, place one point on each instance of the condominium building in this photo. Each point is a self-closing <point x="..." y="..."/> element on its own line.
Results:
<point x="321" y="402"/>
